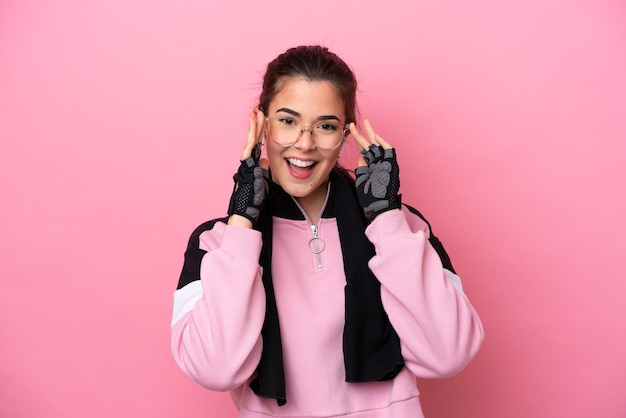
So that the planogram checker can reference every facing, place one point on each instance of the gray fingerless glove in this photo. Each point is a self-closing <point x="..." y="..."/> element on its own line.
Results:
<point x="251" y="187"/>
<point x="378" y="183"/>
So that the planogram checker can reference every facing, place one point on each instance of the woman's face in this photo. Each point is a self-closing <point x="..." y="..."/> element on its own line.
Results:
<point x="302" y="169"/>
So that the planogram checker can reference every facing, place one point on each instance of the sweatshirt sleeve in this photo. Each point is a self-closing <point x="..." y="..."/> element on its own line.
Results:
<point x="219" y="307"/>
<point x="439" y="330"/>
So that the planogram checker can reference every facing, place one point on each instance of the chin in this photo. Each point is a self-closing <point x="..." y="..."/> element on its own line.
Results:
<point x="300" y="189"/>
<point x="297" y="190"/>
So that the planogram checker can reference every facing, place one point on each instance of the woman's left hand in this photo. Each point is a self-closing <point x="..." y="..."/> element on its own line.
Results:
<point x="377" y="174"/>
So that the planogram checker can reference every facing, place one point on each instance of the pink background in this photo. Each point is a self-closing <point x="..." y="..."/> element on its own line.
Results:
<point x="121" y="122"/>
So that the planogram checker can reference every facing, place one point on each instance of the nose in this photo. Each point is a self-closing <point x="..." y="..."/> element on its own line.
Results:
<point x="305" y="142"/>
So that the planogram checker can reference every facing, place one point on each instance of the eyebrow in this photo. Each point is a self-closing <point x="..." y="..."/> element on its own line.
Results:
<point x="294" y="113"/>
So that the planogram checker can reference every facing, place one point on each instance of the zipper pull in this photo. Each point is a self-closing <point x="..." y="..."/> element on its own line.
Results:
<point x="314" y="230"/>
<point x="317" y="245"/>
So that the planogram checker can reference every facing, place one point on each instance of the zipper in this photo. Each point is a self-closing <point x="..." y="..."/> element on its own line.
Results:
<point x="317" y="245"/>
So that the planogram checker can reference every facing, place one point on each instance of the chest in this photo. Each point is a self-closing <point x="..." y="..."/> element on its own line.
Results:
<point x="308" y="275"/>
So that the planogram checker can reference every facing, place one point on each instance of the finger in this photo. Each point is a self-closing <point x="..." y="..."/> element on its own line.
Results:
<point x="383" y="143"/>
<point x="361" y="141"/>
<point x="361" y="162"/>
<point x="250" y="139"/>
<point x="260" y="124"/>
<point x="374" y="137"/>
<point x="371" y="134"/>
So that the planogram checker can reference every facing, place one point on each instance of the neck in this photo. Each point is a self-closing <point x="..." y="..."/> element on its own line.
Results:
<point x="312" y="203"/>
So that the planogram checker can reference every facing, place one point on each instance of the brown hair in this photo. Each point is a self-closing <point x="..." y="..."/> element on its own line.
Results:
<point x="316" y="63"/>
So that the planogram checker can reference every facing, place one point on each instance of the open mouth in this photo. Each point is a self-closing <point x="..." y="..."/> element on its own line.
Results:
<point x="300" y="168"/>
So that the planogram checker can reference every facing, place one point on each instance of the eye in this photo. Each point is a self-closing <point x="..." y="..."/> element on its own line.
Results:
<point x="327" y="127"/>
<point x="287" y="121"/>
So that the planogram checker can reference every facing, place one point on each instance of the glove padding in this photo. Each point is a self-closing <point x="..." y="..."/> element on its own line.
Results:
<point x="251" y="187"/>
<point x="378" y="183"/>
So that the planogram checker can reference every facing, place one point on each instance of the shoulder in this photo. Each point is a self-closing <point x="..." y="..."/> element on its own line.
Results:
<point x="206" y="230"/>
<point x="415" y="219"/>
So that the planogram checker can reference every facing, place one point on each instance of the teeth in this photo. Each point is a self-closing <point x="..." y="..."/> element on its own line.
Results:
<point x="300" y="163"/>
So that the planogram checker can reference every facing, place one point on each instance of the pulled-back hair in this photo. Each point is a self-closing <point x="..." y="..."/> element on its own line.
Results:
<point x="315" y="63"/>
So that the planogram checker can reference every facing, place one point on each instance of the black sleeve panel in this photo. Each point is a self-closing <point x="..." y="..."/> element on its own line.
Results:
<point x="434" y="241"/>
<point x="193" y="254"/>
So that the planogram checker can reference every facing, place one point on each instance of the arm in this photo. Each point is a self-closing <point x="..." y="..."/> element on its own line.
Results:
<point x="219" y="307"/>
<point x="439" y="330"/>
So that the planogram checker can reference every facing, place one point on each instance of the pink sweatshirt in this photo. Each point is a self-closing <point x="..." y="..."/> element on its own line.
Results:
<point x="217" y="319"/>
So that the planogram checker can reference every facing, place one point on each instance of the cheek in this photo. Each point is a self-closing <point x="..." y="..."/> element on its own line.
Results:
<point x="273" y="155"/>
<point x="332" y="159"/>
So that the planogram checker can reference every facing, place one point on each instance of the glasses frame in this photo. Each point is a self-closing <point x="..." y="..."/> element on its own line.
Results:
<point x="345" y="129"/>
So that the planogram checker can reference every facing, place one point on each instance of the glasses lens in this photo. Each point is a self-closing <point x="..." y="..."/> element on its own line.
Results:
<point x="284" y="131"/>
<point x="327" y="135"/>
<point x="287" y="131"/>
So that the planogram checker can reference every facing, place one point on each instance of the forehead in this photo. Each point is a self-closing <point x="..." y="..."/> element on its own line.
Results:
<point x="309" y="98"/>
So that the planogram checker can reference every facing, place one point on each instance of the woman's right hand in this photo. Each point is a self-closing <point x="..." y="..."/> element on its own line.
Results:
<point x="251" y="179"/>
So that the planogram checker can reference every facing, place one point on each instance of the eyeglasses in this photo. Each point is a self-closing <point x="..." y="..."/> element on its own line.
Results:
<point x="286" y="131"/>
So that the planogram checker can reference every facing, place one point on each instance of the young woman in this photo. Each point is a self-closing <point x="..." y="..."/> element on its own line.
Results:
<point x="319" y="295"/>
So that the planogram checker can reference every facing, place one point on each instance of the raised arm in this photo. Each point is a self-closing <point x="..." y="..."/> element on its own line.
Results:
<point x="219" y="305"/>
<point x="439" y="330"/>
